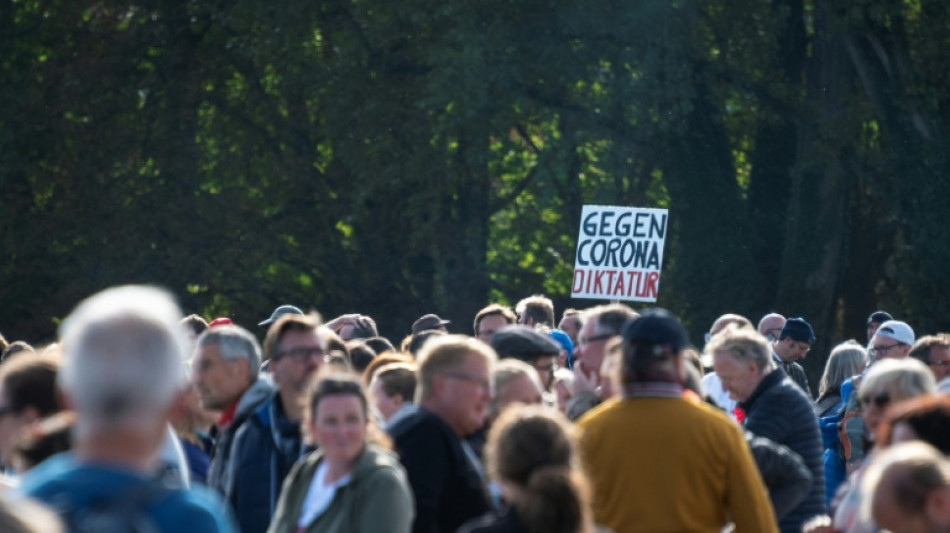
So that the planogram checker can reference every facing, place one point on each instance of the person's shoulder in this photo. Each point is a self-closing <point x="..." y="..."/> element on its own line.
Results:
<point x="420" y="424"/>
<point x="197" y="509"/>
<point x="599" y="414"/>
<point x="503" y="521"/>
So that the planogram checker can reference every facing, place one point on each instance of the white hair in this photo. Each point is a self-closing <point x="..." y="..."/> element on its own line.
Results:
<point x="122" y="357"/>
<point x="235" y="342"/>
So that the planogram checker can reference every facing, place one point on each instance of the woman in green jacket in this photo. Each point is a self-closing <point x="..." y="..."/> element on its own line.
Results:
<point x="353" y="483"/>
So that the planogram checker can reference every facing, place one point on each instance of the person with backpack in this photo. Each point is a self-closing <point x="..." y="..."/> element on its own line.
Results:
<point x="121" y="373"/>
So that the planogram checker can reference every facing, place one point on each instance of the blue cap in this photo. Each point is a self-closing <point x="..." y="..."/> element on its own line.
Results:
<point x="279" y="312"/>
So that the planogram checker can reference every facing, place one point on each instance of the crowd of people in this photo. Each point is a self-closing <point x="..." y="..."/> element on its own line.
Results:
<point x="138" y="419"/>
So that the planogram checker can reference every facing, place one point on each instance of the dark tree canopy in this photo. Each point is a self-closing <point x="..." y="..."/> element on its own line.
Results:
<point x="399" y="158"/>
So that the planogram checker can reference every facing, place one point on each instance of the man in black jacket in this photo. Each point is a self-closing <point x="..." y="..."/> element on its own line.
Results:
<point x="775" y="408"/>
<point x="454" y="392"/>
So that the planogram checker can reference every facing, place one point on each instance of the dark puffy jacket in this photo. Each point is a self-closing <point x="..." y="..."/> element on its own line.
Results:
<point x="779" y="410"/>
<point x="264" y="445"/>
<point x="786" y="477"/>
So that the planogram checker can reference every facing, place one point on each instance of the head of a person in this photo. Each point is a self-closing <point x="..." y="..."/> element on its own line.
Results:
<point x="226" y="363"/>
<point x="392" y="386"/>
<point x="529" y="345"/>
<point x="906" y="489"/>
<point x="379" y="345"/>
<point x="892" y="340"/>
<point x="454" y="381"/>
<point x="531" y="452"/>
<point x="382" y="360"/>
<point x="295" y="351"/>
<point x="933" y="351"/>
<point x="279" y="312"/>
<point x="360" y="354"/>
<point x="564" y="341"/>
<point x="420" y="339"/>
<point x="536" y="310"/>
<point x="770" y="326"/>
<point x="795" y="340"/>
<point x="194" y="325"/>
<point x="741" y="359"/>
<point x="599" y="325"/>
<point x="363" y="327"/>
<point x="430" y="321"/>
<point x="570" y="323"/>
<point x="926" y="418"/>
<point x="846" y="360"/>
<point x="490" y="319"/>
<point x="15" y="348"/>
<point x="27" y="394"/>
<point x="123" y="353"/>
<point x="729" y="318"/>
<point x="875" y="320"/>
<point x="515" y="382"/>
<point x="337" y="417"/>
<point x="889" y="381"/>
<point x="651" y="351"/>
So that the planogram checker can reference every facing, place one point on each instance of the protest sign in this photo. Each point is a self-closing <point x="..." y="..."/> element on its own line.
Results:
<point x="619" y="253"/>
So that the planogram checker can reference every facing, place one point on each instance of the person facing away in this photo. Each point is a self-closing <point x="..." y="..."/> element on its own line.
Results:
<point x="122" y="369"/>
<point x="453" y="395"/>
<point x="658" y="457"/>
<point x="531" y="454"/>
<point x="353" y="483"/>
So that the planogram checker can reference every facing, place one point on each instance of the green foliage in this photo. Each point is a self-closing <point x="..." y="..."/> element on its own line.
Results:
<point x="398" y="158"/>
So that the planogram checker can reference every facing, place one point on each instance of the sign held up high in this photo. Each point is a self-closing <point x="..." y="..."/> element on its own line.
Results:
<point x="619" y="253"/>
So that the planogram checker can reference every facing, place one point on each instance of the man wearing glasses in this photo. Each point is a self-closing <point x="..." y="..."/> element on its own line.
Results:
<point x="454" y="392"/>
<point x="934" y="351"/>
<point x="792" y="345"/>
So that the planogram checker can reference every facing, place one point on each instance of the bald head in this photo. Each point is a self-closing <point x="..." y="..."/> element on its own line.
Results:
<point x="771" y="325"/>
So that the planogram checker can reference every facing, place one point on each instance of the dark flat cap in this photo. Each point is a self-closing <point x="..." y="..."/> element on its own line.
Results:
<point x="429" y="321"/>
<point x="524" y="343"/>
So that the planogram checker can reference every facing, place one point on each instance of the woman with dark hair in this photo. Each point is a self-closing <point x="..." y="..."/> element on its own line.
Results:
<point x="531" y="455"/>
<point x="353" y="482"/>
<point x="925" y="418"/>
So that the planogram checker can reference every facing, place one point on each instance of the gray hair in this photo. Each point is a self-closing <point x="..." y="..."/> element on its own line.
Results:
<point x="901" y="378"/>
<point x="742" y="344"/>
<point x="234" y="342"/>
<point x="122" y="357"/>
<point x="845" y="361"/>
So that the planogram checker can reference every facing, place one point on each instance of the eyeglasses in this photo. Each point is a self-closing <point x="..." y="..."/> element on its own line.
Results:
<point x="881" y="351"/>
<point x="483" y="382"/>
<point x="939" y="363"/>
<point x="583" y="341"/>
<point x="879" y="400"/>
<point x="299" y="354"/>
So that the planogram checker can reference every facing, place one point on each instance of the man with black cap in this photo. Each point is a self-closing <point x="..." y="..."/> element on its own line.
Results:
<point x="658" y="457"/>
<point x="528" y="345"/>
<point x="792" y="345"/>
<point x="875" y="320"/>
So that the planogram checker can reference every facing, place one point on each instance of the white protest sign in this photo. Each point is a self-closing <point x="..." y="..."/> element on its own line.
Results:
<point x="619" y="253"/>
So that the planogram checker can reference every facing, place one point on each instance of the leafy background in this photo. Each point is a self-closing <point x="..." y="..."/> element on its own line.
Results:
<point x="398" y="158"/>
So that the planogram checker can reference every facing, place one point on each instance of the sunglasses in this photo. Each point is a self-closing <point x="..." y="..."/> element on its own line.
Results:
<point x="879" y="400"/>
